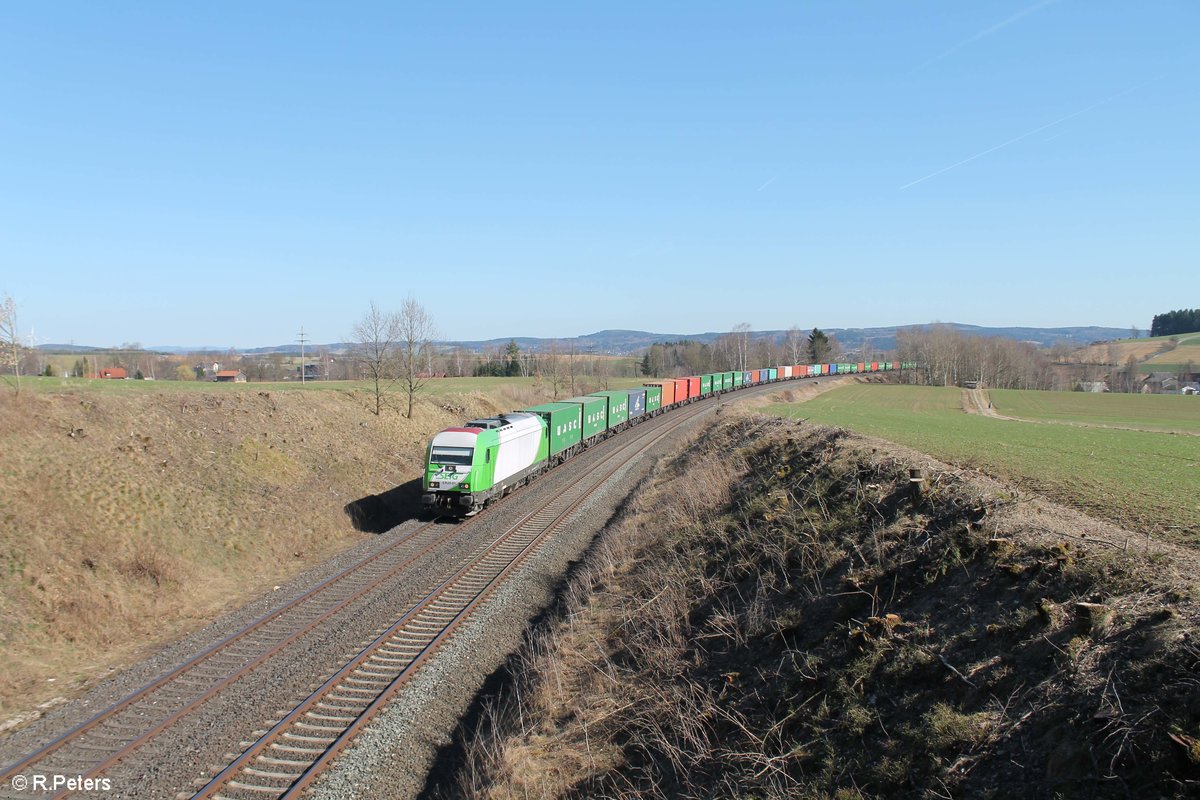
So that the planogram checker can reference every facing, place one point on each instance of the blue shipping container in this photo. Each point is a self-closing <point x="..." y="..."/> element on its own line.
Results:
<point x="637" y="402"/>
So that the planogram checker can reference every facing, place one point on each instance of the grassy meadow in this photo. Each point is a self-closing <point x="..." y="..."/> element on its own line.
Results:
<point x="1143" y="479"/>
<point x="1154" y="412"/>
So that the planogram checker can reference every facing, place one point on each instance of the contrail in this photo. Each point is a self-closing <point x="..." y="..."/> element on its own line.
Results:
<point x="1027" y="134"/>
<point x="769" y="182"/>
<point x="999" y="26"/>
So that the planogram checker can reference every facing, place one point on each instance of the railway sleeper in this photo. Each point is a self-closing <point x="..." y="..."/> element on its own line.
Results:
<point x="326" y="740"/>
<point x="388" y="660"/>
<point x="344" y="688"/>
<point x="275" y="776"/>
<point x="331" y="717"/>
<point x="285" y="762"/>
<point x="355" y="708"/>
<point x="395" y="650"/>
<point x="289" y="748"/>
<point x="311" y="726"/>
<point x="253" y="787"/>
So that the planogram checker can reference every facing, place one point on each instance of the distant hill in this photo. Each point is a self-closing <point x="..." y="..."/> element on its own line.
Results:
<point x="627" y="342"/>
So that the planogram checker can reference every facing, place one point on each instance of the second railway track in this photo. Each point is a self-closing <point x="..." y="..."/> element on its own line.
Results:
<point x="96" y="746"/>
<point x="286" y="759"/>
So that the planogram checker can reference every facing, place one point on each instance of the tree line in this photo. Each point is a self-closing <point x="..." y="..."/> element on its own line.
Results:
<point x="1173" y="323"/>
<point x="948" y="357"/>
<point x="739" y="350"/>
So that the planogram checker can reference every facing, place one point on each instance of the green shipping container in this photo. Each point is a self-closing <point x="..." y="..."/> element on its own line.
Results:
<point x="653" y="398"/>
<point x="595" y="415"/>
<point x="564" y="422"/>
<point x="738" y="378"/>
<point x="618" y="405"/>
<point x="718" y="381"/>
<point x="706" y="385"/>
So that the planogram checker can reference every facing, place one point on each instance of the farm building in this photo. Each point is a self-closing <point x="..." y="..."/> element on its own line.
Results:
<point x="230" y="376"/>
<point x="1161" y="383"/>
<point x="113" y="373"/>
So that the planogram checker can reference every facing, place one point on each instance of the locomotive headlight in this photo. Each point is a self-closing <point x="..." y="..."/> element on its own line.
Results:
<point x="466" y="487"/>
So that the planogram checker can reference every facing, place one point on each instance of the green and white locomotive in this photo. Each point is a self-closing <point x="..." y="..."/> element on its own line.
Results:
<point x="485" y="459"/>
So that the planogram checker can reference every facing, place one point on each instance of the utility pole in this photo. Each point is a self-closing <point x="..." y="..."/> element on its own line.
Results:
<point x="302" y="341"/>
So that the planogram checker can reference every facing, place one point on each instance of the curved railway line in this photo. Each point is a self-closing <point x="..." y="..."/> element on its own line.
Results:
<point x="298" y="746"/>
<point x="291" y="755"/>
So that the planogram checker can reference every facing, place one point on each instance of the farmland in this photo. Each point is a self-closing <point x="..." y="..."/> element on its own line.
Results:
<point x="1142" y="479"/>
<point x="1160" y="354"/>
<point x="1169" y="413"/>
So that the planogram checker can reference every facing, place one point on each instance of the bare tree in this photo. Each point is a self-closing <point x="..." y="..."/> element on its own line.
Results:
<point x="552" y="368"/>
<point x="741" y="334"/>
<point x="373" y="347"/>
<point x="10" y="342"/>
<point x="794" y="342"/>
<point x="415" y="331"/>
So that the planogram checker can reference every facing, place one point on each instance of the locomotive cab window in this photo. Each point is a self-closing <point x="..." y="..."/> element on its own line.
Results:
<point x="451" y="455"/>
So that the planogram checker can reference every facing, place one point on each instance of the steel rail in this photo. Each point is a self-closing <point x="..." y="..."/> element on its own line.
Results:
<point x="409" y="643"/>
<point x="202" y="657"/>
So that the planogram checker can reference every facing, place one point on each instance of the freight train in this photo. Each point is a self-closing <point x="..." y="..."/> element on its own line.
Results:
<point x="469" y="466"/>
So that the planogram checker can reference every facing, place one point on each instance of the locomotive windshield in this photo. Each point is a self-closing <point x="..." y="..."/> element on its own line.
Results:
<point x="451" y="455"/>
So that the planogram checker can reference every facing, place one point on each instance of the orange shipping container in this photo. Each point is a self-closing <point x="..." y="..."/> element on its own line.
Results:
<point x="681" y="390"/>
<point x="668" y="390"/>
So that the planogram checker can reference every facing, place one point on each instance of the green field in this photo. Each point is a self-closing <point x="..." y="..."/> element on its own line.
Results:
<point x="1141" y="479"/>
<point x="1149" y="412"/>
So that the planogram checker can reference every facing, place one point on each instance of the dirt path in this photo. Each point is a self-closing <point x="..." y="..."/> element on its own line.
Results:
<point x="977" y="401"/>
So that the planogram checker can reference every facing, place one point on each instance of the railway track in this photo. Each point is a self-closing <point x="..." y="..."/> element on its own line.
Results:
<point x="92" y="748"/>
<point x="285" y="760"/>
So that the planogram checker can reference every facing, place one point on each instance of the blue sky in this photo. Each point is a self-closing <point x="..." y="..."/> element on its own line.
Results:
<point x="224" y="173"/>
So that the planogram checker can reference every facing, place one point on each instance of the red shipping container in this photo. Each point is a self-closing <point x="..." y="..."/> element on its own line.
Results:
<point x="754" y="376"/>
<point x="874" y="366"/>
<point x="668" y="390"/>
<point x="693" y="387"/>
<point x="681" y="389"/>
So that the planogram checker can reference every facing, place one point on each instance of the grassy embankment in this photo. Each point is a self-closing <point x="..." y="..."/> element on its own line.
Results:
<point x="132" y="512"/>
<point x="1142" y="479"/>
<point x="775" y="617"/>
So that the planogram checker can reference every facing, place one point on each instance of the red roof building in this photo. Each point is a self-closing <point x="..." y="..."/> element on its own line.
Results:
<point x="113" y="373"/>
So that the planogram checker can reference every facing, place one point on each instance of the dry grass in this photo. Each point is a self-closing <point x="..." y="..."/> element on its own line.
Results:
<point x="776" y="618"/>
<point x="126" y="521"/>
